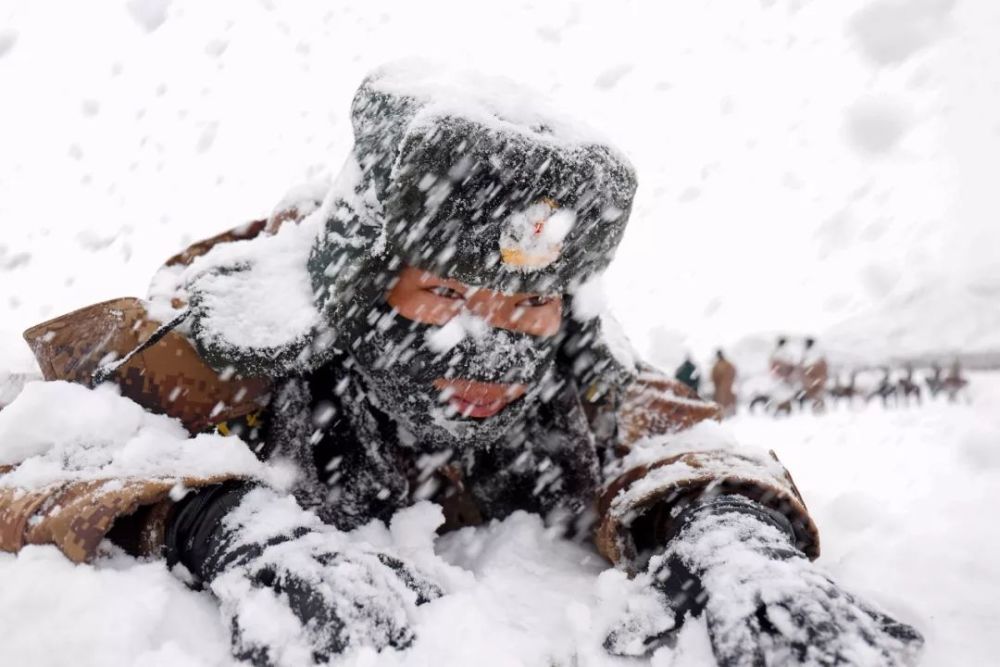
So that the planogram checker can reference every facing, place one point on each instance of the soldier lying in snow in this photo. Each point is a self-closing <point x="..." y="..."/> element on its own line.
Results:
<point x="425" y="333"/>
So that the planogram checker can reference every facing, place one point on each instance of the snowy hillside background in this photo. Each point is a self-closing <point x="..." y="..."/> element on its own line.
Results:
<point x="805" y="167"/>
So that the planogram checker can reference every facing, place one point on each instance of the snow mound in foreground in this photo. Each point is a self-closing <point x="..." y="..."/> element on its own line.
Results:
<point x="516" y="595"/>
<point x="60" y="431"/>
<point x="898" y="495"/>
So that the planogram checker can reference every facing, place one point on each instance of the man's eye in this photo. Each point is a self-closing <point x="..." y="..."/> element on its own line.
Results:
<point x="445" y="292"/>
<point x="535" y="301"/>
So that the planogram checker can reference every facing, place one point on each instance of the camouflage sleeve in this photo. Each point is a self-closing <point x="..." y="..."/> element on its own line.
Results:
<point x="162" y="374"/>
<point x="76" y="516"/>
<point x="642" y="494"/>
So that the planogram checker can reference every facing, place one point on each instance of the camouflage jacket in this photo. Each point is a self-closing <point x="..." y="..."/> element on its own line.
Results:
<point x="629" y="511"/>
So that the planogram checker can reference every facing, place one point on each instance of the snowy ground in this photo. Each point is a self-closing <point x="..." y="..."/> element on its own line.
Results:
<point x="903" y="499"/>
<point x="804" y="166"/>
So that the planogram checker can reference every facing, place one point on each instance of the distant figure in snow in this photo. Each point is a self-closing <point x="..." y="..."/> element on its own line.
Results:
<point x="784" y="372"/>
<point x="723" y="378"/>
<point x="814" y="376"/>
<point x="781" y="364"/>
<point x="688" y="374"/>
<point x="954" y="382"/>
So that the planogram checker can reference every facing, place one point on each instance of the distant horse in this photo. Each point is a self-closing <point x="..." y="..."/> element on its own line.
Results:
<point x="885" y="390"/>
<point x="908" y="389"/>
<point x="847" y="391"/>
<point x="771" y="406"/>
<point x="953" y="387"/>
<point x="935" y="383"/>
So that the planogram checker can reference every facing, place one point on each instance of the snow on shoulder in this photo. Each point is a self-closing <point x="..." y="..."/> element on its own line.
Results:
<point x="253" y="294"/>
<point x="58" y="432"/>
<point x="704" y="452"/>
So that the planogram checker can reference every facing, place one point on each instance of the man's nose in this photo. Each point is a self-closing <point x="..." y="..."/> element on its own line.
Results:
<point x="491" y="308"/>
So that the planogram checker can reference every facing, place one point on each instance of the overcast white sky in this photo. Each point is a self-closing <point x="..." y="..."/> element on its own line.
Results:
<point x="801" y="163"/>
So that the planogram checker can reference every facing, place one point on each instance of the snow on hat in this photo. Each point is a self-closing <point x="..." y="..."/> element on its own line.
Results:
<point x="469" y="176"/>
<point x="479" y="180"/>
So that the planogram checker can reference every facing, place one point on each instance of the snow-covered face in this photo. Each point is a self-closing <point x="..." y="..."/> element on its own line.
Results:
<point x="424" y="297"/>
<point x="455" y="363"/>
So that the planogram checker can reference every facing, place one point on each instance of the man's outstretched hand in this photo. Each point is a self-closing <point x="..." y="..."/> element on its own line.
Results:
<point x="298" y="603"/>
<point x="764" y="602"/>
<point x="293" y="591"/>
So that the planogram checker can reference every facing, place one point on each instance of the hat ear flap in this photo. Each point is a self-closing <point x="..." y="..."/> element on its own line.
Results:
<point x="349" y="264"/>
<point x="596" y="354"/>
<point x="250" y="306"/>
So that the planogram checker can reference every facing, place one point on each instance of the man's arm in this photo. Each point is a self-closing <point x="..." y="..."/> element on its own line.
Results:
<point x="77" y="516"/>
<point x="727" y="536"/>
<point x="645" y="486"/>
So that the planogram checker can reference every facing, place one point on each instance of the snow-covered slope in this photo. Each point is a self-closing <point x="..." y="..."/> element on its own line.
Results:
<point x="805" y="167"/>
<point x="901" y="498"/>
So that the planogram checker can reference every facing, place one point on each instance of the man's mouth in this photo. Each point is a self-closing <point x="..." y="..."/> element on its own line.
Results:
<point x="477" y="400"/>
<point x="475" y="410"/>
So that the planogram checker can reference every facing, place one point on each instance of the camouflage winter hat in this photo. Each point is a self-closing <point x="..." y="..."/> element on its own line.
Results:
<point x="460" y="174"/>
<point x="479" y="181"/>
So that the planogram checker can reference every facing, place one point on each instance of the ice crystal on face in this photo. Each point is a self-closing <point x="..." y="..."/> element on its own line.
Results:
<point x="448" y="336"/>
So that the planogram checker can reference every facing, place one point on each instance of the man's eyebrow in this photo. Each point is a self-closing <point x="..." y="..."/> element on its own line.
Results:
<point x="427" y="276"/>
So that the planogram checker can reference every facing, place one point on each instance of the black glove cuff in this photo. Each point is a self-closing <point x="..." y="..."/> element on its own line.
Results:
<point x="731" y="504"/>
<point x="195" y="535"/>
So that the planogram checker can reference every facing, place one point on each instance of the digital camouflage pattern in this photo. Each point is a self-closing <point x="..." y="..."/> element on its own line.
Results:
<point x="75" y="517"/>
<point x="168" y="374"/>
